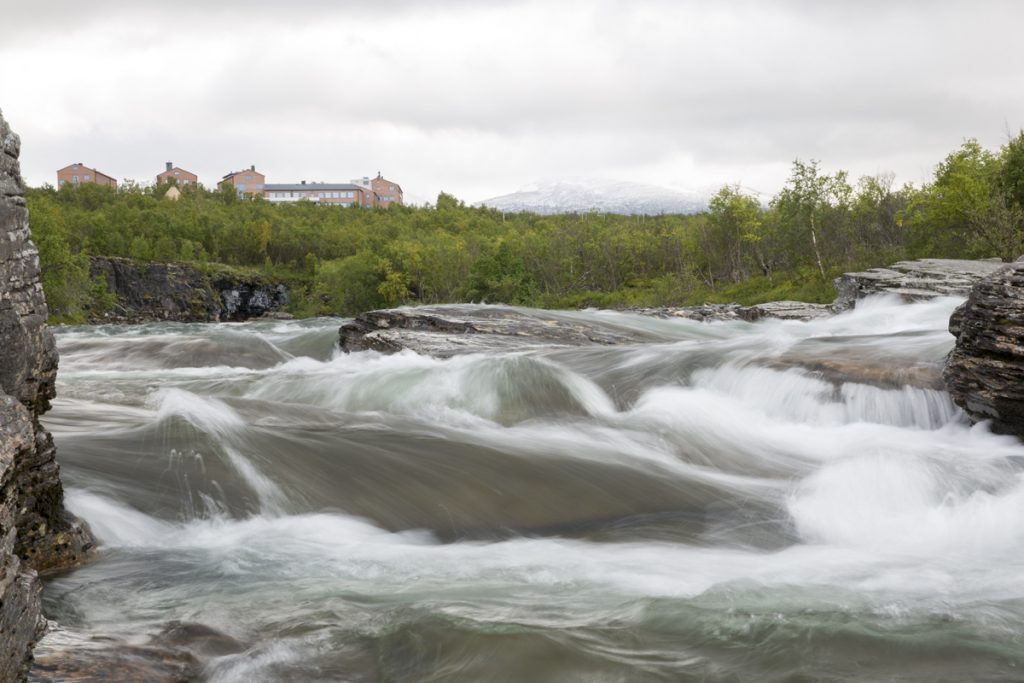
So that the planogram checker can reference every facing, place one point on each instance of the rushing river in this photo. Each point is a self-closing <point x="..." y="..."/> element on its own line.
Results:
<point x="699" y="508"/>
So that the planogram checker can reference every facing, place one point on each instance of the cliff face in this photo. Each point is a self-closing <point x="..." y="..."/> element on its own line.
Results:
<point x="146" y="292"/>
<point x="985" y="371"/>
<point x="36" y="533"/>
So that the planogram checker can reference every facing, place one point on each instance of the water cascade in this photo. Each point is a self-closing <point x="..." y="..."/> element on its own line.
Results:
<point x="714" y="506"/>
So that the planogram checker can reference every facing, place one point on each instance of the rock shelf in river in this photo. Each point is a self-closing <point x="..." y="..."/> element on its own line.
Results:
<point x="914" y="280"/>
<point x="447" y="331"/>
<point x="453" y="330"/>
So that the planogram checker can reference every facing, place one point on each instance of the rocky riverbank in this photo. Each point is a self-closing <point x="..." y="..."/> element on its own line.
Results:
<point x="36" y="532"/>
<point x="985" y="371"/>
<point x="911" y="280"/>
<point x="150" y="292"/>
<point x="451" y="330"/>
<point x="914" y="280"/>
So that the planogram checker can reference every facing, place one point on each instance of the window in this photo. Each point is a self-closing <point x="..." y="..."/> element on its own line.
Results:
<point x="248" y="178"/>
<point x="241" y="187"/>
<point x="259" y="186"/>
<point x="85" y="178"/>
<point x="391" y="188"/>
<point x="74" y="179"/>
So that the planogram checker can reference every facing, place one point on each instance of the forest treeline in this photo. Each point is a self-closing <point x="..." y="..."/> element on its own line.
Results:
<point x="345" y="260"/>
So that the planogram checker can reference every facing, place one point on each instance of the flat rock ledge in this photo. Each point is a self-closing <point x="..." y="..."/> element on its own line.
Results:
<point x="985" y="371"/>
<point x="782" y="310"/>
<point x="911" y="280"/>
<point x="454" y="330"/>
<point x="444" y="331"/>
<point x="914" y="280"/>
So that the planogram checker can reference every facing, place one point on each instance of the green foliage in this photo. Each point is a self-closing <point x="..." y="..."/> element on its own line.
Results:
<point x="345" y="260"/>
<point x="971" y="210"/>
<point x="350" y="285"/>
<point x="1011" y="175"/>
<point x="802" y="285"/>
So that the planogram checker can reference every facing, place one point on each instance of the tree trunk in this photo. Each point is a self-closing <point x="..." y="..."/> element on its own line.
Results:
<point x="814" y="242"/>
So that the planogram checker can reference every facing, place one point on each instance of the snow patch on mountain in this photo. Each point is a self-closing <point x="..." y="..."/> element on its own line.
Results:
<point x="602" y="196"/>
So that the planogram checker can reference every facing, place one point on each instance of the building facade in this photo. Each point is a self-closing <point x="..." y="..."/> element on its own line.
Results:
<point x="77" y="174"/>
<point x="179" y="175"/>
<point x="247" y="183"/>
<point x="345" y="194"/>
<point x="388" y="191"/>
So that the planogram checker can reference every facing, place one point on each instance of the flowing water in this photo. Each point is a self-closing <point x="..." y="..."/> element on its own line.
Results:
<point x="698" y="508"/>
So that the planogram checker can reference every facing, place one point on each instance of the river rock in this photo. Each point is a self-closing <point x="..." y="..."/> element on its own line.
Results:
<point x="36" y="532"/>
<point x="985" y="371"/>
<point x="914" y="280"/>
<point x="785" y="310"/>
<point x="444" y="331"/>
<point x="703" y="313"/>
<point x="70" y="656"/>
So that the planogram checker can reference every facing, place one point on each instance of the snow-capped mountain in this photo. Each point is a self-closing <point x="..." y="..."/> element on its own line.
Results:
<point x="603" y="196"/>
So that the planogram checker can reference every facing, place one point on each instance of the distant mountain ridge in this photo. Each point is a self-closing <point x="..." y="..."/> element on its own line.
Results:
<point x="602" y="196"/>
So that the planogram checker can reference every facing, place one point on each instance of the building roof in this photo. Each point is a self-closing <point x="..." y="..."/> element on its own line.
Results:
<point x="173" y="169"/>
<point x="390" y="182"/>
<point x="244" y="170"/>
<point x="87" y="168"/>
<point x="311" y="186"/>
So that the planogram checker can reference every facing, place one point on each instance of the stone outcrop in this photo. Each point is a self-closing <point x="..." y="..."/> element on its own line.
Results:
<point x="453" y="330"/>
<point x="36" y="532"/>
<point x="148" y="292"/>
<point x="782" y="310"/>
<point x="914" y="280"/>
<point x="985" y="371"/>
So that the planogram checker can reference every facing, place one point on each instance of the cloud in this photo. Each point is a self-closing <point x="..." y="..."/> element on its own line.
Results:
<point x="480" y="98"/>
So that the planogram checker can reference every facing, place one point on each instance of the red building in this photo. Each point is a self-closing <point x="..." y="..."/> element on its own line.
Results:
<point x="249" y="182"/>
<point x="179" y="175"/>
<point x="76" y="174"/>
<point x="388" y="191"/>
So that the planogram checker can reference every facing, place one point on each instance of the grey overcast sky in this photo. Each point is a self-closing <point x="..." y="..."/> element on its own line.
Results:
<point x="478" y="98"/>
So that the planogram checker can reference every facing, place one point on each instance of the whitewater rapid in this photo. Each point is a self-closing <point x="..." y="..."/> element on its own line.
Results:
<point x="722" y="505"/>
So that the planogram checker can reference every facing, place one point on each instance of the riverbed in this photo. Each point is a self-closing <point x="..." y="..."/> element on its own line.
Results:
<point x="703" y="506"/>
